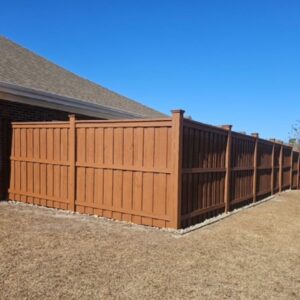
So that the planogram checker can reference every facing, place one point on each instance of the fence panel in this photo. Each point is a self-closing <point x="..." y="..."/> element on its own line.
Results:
<point x="242" y="162"/>
<point x="203" y="173"/>
<point x="276" y="167"/>
<point x="124" y="170"/>
<point x="264" y="165"/>
<point x="40" y="165"/>
<point x="295" y="164"/>
<point x="286" y="168"/>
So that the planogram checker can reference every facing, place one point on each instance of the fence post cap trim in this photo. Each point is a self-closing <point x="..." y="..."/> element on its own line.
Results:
<point x="177" y="111"/>
<point x="228" y="127"/>
<point x="255" y="134"/>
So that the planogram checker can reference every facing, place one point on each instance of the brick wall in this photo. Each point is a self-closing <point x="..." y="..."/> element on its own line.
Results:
<point x="14" y="112"/>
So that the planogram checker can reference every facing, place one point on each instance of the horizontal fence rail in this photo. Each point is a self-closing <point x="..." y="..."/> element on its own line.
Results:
<point x="171" y="172"/>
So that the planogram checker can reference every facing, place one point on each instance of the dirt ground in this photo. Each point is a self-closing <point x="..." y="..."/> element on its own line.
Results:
<point x="49" y="254"/>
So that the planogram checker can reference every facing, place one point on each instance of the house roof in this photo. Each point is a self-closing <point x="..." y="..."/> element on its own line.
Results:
<point x="23" y="68"/>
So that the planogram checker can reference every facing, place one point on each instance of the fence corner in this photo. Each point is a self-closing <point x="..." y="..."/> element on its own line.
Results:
<point x="177" y="136"/>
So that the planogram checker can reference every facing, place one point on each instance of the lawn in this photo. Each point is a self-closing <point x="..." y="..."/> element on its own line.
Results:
<point x="50" y="254"/>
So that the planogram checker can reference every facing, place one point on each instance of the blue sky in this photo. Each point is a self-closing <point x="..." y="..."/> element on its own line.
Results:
<point x="224" y="62"/>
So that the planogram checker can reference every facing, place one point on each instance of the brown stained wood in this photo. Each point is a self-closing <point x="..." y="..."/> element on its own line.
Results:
<point x="281" y="168"/>
<point x="203" y="170"/>
<point x="160" y="148"/>
<point x="63" y="183"/>
<point x="89" y="185"/>
<point x="152" y="123"/>
<point x="149" y="144"/>
<point x="255" y="158"/>
<point x="128" y="153"/>
<point x="72" y="161"/>
<point x="148" y="191"/>
<point x="50" y="144"/>
<point x="118" y="149"/>
<point x="198" y="212"/>
<point x="291" y="169"/>
<point x="148" y="217"/>
<point x="56" y="182"/>
<point x="138" y="147"/>
<point x="90" y="145"/>
<point x="99" y="145"/>
<point x="23" y="143"/>
<point x="108" y="145"/>
<point x="137" y="195"/>
<point x="41" y="161"/>
<point x="227" y="191"/>
<point x="273" y="166"/>
<point x="116" y="167"/>
<point x="118" y="193"/>
<point x="99" y="186"/>
<point x="169" y="149"/>
<point x="50" y="177"/>
<point x="164" y="173"/>
<point x="177" y="139"/>
<point x="127" y="192"/>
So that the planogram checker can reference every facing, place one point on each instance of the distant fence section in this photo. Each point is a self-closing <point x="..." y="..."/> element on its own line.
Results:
<point x="171" y="172"/>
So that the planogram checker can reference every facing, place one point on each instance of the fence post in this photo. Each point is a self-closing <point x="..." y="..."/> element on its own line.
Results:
<point x="280" y="167"/>
<point x="298" y="173"/>
<point x="273" y="166"/>
<point x="227" y="191"/>
<point x="291" y="171"/>
<point x="177" y="128"/>
<point x="255" y="135"/>
<point x="72" y="162"/>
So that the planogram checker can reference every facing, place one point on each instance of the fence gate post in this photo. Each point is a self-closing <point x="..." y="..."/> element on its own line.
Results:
<point x="280" y="167"/>
<point x="177" y="145"/>
<point x="227" y="191"/>
<point x="291" y="170"/>
<point x="72" y="162"/>
<point x="273" y="166"/>
<point x="256" y="135"/>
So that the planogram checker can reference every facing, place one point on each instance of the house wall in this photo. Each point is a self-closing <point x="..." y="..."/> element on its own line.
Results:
<point x="14" y="112"/>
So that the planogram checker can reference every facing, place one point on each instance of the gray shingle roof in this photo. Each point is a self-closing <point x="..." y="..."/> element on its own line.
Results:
<point x="22" y="67"/>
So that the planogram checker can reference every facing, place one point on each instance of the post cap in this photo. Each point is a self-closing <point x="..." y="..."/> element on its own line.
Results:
<point x="228" y="127"/>
<point x="255" y="134"/>
<point x="177" y="111"/>
<point x="273" y="140"/>
<point x="72" y="116"/>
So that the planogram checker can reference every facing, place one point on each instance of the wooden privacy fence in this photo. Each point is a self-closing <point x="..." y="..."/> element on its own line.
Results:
<point x="169" y="172"/>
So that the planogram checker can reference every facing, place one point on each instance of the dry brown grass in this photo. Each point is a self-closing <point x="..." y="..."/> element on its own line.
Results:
<point x="47" y="254"/>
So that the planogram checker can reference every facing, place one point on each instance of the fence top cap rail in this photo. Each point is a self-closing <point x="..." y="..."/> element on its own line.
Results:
<point x="220" y="128"/>
<point x="176" y="111"/>
<point x="227" y="127"/>
<point x="125" y="121"/>
<point x="41" y="123"/>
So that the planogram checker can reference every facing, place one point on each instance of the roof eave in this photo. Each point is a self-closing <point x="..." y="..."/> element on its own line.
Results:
<point x="47" y="100"/>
